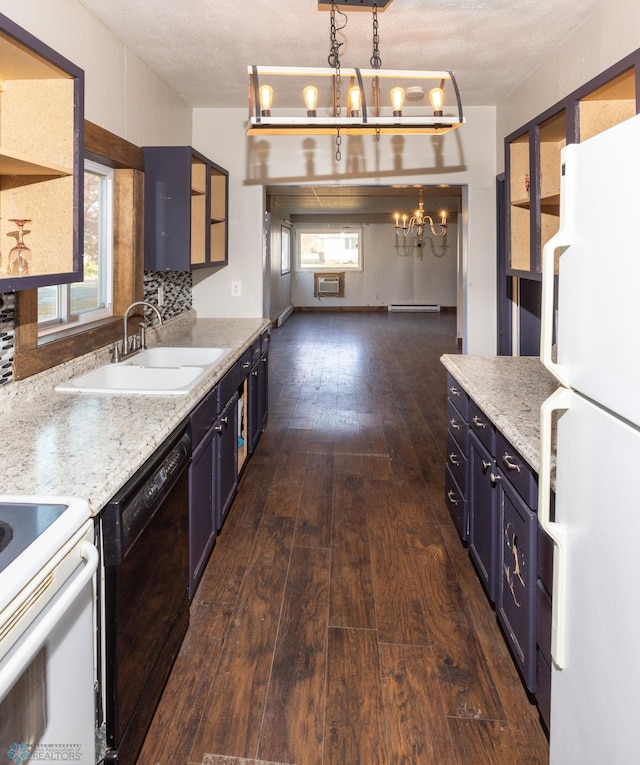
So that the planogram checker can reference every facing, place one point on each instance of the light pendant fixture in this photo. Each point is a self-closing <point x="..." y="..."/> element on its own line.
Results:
<point x="378" y="101"/>
<point x="416" y="224"/>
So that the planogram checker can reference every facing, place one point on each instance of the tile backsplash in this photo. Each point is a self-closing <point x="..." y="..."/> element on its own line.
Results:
<point x="176" y="286"/>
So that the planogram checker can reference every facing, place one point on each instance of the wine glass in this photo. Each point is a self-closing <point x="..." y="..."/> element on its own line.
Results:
<point x="19" y="262"/>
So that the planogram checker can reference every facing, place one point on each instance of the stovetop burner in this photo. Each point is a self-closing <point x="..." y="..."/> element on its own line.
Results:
<point x="20" y="524"/>
<point x="6" y="535"/>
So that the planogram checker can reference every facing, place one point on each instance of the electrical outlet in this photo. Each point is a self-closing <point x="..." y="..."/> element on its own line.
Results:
<point x="236" y="289"/>
<point x="160" y="297"/>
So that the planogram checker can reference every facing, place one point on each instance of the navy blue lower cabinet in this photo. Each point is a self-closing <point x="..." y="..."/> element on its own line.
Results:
<point x="456" y="470"/>
<point x="517" y="577"/>
<point x="226" y="428"/>
<point x="483" y="515"/>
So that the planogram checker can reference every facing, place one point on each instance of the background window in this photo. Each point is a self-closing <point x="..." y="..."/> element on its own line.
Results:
<point x="91" y="299"/>
<point x="330" y="248"/>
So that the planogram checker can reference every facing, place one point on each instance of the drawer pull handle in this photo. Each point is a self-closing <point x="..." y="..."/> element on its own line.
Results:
<point x="478" y="422"/>
<point x="485" y="465"/>
<point x="246" y="364"/>
<point x="452" y="497"/>
<point x="495" y="478"/>
<point x="454" y="424"/>
<point x="454" y="391"/>
<point x="506" y="461"/>
<point x="453" y="459"/>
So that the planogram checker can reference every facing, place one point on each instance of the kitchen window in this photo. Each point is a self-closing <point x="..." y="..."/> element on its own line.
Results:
<point x="71" y="305"/>
<point x="329" y="248"/>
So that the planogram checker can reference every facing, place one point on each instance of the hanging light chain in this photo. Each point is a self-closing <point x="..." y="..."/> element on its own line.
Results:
<point x="375" y="60"/>
<point x="334" y="61"/>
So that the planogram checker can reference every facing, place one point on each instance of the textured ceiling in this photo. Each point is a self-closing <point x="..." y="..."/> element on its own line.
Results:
<point x="202" y="47"/>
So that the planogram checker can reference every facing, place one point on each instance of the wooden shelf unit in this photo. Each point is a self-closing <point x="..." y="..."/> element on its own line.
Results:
<point x="41" y="178"/>
<point x="186" y="210"/>
<point x="534" y="151"/>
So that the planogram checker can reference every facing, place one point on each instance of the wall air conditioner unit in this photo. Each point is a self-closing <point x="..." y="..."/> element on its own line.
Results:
<point x="328" y="285"/>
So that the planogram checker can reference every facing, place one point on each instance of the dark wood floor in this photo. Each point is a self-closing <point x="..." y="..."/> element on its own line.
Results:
<point x="339" y="619"/>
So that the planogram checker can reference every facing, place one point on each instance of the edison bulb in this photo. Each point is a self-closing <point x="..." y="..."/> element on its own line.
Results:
<point x="436" y="96"/>
<point x="266" y="99"/>
<point x="310" y="95"/>
<point x="354" y="98"/>
<point x="397" y="101"/>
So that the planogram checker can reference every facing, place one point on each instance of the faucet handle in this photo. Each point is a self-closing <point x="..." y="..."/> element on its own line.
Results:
<point x="142" y="338"/>
<point x="115" y="353"/>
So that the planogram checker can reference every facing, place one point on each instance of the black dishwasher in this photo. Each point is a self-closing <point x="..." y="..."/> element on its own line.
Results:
<point x="145" y="532"/>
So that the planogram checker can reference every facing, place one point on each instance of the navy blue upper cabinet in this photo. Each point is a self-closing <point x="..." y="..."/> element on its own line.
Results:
<point x="41" y="179"/>
<point x="186" y="204"/>
<point x="533" y="164"/>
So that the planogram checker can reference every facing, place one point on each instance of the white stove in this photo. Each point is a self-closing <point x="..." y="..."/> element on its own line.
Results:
<point x="47" y="566"/>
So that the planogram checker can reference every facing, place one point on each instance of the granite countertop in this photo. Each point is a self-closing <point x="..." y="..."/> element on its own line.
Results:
<point x="88" y="445"/>
<point x="510" y="391"/>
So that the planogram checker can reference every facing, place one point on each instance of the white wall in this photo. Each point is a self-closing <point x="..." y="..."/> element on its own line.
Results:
<point x="610" y="33"/>
<point x="122" y="94"/>
<point x="463" y="157"/>
<point x="395" y="271"/>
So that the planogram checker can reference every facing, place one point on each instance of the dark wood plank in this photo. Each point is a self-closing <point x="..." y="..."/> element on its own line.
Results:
<point x="418" y="730"/>
<point x="354" y="729"/>
<point x="292" y="728"/>
<point x="231" y="720"/>
<point x="313" y="525"/>
<point x="352" y="602"/>
<point x="176" y="721"/>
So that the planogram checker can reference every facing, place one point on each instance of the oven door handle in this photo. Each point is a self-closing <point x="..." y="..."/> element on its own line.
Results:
<point x="19" y="659"/>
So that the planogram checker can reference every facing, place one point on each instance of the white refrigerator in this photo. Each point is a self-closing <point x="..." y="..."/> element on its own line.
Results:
<point x="595" y="416"/>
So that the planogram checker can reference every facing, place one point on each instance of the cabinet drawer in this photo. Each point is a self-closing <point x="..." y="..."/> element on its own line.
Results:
<point x="457" y="504"/>
<point x="543" y="621"/>
<point x="203" y="417"/>
<point x="227" y="386"/>
<point x="457" y="463"/>
<point x="458" y="396"/>
<point x="244" y="364"/>
<point x="482" y="426"/>
<point x="458" y="427"/>
<point x="520" y="475"/>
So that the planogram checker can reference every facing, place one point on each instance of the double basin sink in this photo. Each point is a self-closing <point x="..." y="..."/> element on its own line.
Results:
<point x="159" y="371"/>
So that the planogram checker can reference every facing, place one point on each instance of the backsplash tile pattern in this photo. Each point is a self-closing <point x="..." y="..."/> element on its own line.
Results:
<point x="177" y="286"/>
<point x="7" y="336"/>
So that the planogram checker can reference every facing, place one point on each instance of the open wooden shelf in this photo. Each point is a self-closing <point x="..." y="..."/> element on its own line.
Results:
<point x="40" y="170"/>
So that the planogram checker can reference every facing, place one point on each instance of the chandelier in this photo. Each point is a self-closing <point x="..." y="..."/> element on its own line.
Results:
<point x="356" y="101"/>
<point x="417" y="223"/>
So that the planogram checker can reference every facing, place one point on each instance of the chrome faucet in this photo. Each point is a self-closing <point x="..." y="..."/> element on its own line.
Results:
<point x="135" y="344"/>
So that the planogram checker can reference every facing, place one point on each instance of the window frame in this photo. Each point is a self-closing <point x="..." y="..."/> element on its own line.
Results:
<point x="67" y="321"/>
<point x="127" y="161"/>
<point x="329" y="229"/>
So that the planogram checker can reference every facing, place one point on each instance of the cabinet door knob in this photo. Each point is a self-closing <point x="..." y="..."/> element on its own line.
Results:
<point x="478" y="422"/>
<point x="255" y="373"/>
<point x="495" y="478"/>
<point x="506" y="461"/>
<point x="485" y="465"/>
<point x="453" y="459"/>
<point x="452" y="497"/>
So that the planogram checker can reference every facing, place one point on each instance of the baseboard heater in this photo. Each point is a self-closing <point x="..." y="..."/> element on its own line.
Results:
<point x="414" y="308"/>
<point x="284" y="316"/>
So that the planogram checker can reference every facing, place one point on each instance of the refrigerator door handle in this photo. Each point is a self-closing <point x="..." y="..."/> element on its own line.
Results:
<point x="560" y="400"/>
<point x="560" y="241"/>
